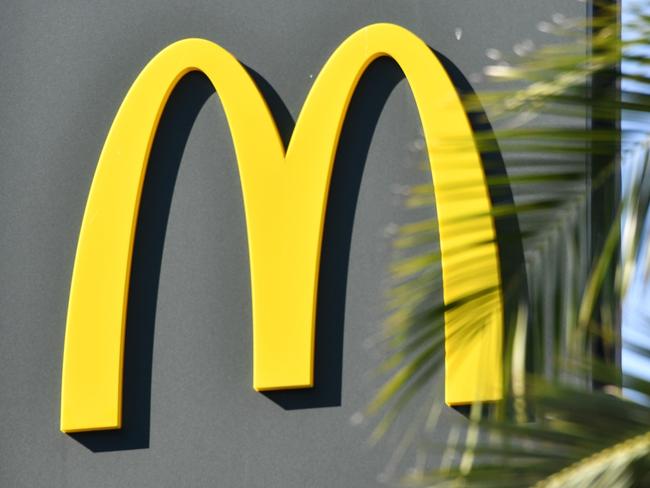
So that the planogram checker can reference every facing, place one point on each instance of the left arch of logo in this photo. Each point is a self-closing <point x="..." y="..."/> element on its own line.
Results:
<point x="285" y="198"/>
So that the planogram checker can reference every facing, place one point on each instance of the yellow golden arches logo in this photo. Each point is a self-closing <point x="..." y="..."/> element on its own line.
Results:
<point x="285" y="198"/>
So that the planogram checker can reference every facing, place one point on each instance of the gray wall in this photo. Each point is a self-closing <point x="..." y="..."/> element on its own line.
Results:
<point x="191" y="416"/>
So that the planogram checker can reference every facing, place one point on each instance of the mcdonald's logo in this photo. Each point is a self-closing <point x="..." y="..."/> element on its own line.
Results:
<point x="285" y="198"/>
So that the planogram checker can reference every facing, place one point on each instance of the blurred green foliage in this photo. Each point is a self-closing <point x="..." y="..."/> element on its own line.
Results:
<point x="572" y="118"/>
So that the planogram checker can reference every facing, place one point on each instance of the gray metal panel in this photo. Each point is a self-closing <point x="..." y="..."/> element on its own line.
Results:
<point x="65" y="68"/>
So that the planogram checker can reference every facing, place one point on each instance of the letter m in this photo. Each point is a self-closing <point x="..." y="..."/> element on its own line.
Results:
<point x="285" y="197"/>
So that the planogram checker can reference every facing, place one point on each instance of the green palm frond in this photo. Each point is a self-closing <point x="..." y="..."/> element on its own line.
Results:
<point x="598" y="444"/>
<point x="549" y="120"/>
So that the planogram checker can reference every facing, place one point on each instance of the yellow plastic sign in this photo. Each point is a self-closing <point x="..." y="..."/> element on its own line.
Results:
<point x="285" y="197"/>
